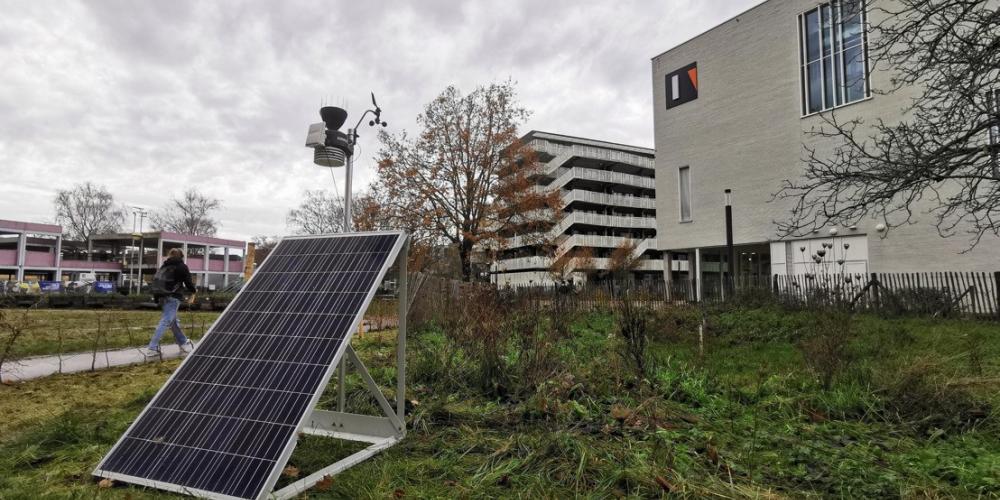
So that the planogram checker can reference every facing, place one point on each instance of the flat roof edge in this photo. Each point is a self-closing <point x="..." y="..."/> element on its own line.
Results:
<point x="539" y="134"/>
<point x="709" y="30"/>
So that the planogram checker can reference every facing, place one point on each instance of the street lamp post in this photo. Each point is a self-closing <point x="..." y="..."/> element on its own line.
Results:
<point x="730" y="253"/>
<point x="142" y="250"/>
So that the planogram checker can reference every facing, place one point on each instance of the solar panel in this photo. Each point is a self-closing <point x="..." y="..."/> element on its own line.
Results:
<point x="227" y="420"/>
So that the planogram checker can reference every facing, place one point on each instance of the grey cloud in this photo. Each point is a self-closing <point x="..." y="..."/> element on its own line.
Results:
<point x="150" y="97"/>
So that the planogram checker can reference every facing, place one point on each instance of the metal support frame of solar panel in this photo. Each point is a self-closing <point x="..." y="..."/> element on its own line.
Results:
<point x="239" y="451"/>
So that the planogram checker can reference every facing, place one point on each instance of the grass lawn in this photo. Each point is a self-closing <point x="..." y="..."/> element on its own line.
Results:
<point x="52" y="331"/>
<point x="911" y="410"/>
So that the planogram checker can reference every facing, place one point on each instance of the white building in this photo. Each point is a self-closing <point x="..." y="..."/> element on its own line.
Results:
<point x="608" y="198"/>
<point x="734" y="108"/>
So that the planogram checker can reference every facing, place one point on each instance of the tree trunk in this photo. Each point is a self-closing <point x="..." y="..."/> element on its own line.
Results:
<point x="465" y="255"/>
<point x="90" y="250"/>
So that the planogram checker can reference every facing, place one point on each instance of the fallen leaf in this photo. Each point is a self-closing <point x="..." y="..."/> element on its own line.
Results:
<point x="816" y="417"/>
<point x="662" y="481"/>
<point x="713" y="454"/>
<point x="620" y="413"/>
<point x="689" y="418"/>
<point x="105" y="483"/>
<point x="399" y="493"/>
<point x="291" y="471"/>
<point x="324" y="484"/>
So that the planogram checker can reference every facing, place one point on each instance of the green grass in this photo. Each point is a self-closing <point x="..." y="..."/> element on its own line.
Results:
<point x="749" y="418"/>
<point x="53" y="331"/>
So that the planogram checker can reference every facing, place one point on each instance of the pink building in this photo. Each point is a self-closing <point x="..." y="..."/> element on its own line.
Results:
<point x="35" y="252"/>
<point x="214" y="262"/>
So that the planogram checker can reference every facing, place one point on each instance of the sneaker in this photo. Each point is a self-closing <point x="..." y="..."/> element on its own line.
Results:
<point x="187" y="347"/>
<point x="150" y="353"/>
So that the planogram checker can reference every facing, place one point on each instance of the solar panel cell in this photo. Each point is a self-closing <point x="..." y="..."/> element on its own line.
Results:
<point x="223" y="421"/>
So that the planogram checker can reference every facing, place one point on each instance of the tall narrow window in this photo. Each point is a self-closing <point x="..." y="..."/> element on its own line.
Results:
<point x="684" y="183"/>
<point x="833" y="55"/>
<point x="993" y="103"/>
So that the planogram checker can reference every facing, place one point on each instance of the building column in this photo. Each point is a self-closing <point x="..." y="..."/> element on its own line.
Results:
<point x="159" y="252"/>
<point x="58" y="258"/>
<point x="208" y="250"/>
<point x="22" y="256"/>
<point x="697" y="274"/>
<point x="225" y="267"/>
<point x="668" y="273"/>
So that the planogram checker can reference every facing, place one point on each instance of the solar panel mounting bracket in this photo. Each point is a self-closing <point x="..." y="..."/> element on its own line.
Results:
<point x="381" y="432"/>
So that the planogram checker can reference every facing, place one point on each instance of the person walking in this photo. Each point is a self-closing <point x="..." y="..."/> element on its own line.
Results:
<point x="168" y="287"/>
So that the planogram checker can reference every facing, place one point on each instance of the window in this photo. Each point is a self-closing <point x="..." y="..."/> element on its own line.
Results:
<point x="993" y="105"/>
<point x="833" y="51"/>
<point x="684" y="182"/>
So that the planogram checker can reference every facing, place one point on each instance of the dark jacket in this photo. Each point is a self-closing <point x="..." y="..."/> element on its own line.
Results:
<point x="182" y="276"/>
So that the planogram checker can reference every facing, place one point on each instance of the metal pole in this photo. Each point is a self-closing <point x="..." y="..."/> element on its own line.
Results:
<point x="347" y="189"/>
<point x="142" y="248"/>
<point x="404" y="303"/>
<point x="342" y="370"/>
<point x="730" y="252"/>
<point x="341" y="376"/>
<point x="131" y="271"/>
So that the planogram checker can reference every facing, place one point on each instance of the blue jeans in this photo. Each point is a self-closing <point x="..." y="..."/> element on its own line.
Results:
<point x="168" y="320"/>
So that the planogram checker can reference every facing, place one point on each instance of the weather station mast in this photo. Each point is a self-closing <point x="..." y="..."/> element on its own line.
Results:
<point x="333" y="148"/>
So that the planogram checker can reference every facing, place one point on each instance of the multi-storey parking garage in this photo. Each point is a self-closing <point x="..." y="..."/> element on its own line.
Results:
<point x="608" y="198"/>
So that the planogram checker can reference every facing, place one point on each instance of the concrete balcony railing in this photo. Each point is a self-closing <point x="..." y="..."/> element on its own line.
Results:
<point x="614" y="200"/>
<point x="521" y="263"/>
<point x="525" y="241"/>
<point x="641" y="265"/>
<point x="563" y="153"/>
<point x="543" y="263"/>
<point x="616" y="221"/>
<point x="567" y="243"/>
<point x="604" y="176"/>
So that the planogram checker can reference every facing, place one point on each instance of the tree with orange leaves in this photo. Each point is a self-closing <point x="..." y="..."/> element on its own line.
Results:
<point x="623" y="260"/>
<point x="578" y="260"/>
<point x="466" y="180"/>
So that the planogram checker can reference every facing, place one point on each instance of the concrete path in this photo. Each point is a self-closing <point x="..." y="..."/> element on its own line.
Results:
<point x="43" y="366"/>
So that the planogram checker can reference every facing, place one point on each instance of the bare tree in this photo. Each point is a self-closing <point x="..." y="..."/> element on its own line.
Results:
<point x="465" y="178"/>
<point x="623" y="260"/>
<point x="319" y="213"/>
<point x="189" y="214"/>
<point x="262" y="245"/>
<point x="945" y="150"/>
<point x="87" y="210"/>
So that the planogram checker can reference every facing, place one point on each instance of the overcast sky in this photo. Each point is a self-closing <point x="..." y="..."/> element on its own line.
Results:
<point x="149" y="98"/>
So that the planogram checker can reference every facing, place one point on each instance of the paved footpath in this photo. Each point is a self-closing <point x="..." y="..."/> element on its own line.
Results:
<point x="43" y="366"/>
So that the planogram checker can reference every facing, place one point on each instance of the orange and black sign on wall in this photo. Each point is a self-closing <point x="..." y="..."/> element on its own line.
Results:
<point x="682" y="85"/>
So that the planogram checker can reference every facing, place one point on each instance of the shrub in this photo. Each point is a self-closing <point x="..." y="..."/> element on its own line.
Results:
<point x="634" y="320"/>
<point x="827" y="349"/>
<point x="491" y="341"/>
<point x="919" y="301"/>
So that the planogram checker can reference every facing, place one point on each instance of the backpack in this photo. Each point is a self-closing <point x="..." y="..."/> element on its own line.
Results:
<point x="163" y="282"/>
